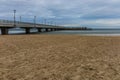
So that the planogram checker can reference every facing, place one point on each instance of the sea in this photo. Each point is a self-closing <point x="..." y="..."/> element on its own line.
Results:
<point x="94" y="32"/>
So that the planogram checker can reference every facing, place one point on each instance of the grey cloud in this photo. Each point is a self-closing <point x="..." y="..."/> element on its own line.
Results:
<point x="69" y="11"/>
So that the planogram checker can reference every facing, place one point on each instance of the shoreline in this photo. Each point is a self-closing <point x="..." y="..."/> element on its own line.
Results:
<point x="92" y="35"/>
<point x="47" y="33"/>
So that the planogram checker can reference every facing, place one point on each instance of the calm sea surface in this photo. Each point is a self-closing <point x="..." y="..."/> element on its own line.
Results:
<point x="77" y="32"/>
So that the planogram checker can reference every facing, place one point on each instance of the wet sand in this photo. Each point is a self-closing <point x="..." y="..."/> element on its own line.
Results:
<point x="59" y="57"/>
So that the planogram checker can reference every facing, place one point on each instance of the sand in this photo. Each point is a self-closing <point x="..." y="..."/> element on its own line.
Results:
<point x="59" y="57"/>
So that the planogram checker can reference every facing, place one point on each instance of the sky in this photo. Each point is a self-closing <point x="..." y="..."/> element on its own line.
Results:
<point x="71" y="13"/>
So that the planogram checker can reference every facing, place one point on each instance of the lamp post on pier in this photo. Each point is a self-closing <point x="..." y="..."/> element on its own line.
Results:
<point x="20" y="19"/>
<point x="34" y="21"/>
<point x="51" y="22"/>
<point x="55" y="24"/>
<point x="45" y="21"/>
<point x="14" y="18"/>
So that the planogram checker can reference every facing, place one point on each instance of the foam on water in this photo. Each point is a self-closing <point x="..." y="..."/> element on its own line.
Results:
<point x="102" y="34"/>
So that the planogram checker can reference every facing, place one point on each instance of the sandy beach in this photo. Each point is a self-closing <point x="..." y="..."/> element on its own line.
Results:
<point x="59" y="57"/>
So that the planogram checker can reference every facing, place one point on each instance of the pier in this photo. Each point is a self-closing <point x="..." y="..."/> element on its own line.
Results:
<point x="5" y="25"/>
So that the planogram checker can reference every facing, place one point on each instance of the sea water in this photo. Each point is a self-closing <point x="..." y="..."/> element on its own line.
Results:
<point x="113" y="32"/>
<point x="110" y="32"/>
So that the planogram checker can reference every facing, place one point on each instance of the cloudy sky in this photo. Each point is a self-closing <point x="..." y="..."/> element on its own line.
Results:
<point x="90" y="13"/>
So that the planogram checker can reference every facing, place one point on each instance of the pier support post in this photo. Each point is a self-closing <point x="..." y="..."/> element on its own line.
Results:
<point x="55" y="29"/>
<point x="47" y="29"/>
<point x="4" y="31"/>
<point x="52" y="29"/>
<point x="27" y="30"/>
<point x="39" y="29"/>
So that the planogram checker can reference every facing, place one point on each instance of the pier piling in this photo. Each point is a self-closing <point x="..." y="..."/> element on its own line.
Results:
<point x="39" y="29"/>
<point x="27" y="30"/>
<point x="4" y="31"/>
<point x="47" y="29"/>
